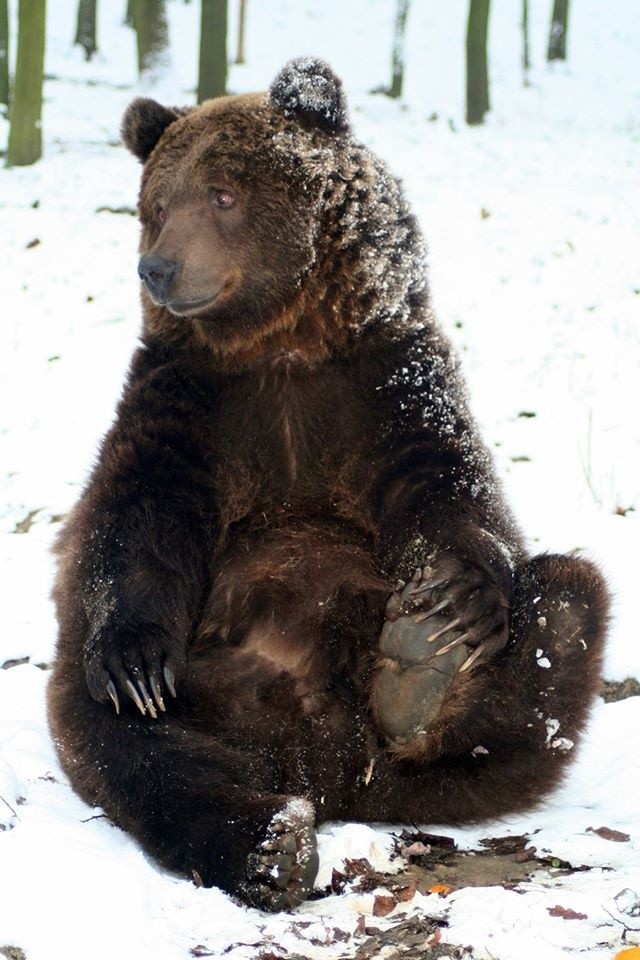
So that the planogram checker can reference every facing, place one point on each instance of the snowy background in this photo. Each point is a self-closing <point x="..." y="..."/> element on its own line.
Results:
<point x="533" y="225"/>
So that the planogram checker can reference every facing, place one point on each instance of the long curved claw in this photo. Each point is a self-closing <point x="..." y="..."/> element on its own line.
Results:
<point x="449" y="626"/>
<point x="477" y="653"/>
<point x="135" y="696"/>
<point x="157" y="694"/>
<point x="170" y="680"/>
<point x="146" y="697"/>
<point x="428" y="585"/>
<point x="113" y="693"/>
<point x="463" y="638"/>
<point x="439" y="607"/>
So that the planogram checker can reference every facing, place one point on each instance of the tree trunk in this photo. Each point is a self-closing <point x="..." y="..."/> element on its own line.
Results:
<point x="4" y="52"/>
<point x="86" y="27"/>
<point x="25" y="134"/>
<point x="212" y="76"/>
<point x="557" y="49"/>
<point x="397" y="56"/>
<point x="242" y="22"/>
<point x="129" y="16"/>
<point x="152" y="32"/>
<point x="526" y="61"/>
<point x="477" y="69"/>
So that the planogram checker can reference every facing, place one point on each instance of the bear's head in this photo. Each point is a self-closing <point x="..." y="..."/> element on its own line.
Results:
<point x="265" y="223"/>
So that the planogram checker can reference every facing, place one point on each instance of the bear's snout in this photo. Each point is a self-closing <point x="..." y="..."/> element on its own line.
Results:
<point x="158" y="273"/>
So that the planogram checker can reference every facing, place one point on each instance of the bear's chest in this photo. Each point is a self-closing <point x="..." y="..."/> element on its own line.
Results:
<point x="289" y="430"/>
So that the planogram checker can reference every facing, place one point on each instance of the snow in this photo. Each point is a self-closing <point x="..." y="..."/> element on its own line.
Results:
<point x="533" y="226"/>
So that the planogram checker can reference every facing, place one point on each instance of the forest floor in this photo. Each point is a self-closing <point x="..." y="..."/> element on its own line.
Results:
<point x="533" y="225"/>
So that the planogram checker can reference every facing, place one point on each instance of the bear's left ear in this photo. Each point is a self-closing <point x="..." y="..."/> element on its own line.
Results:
<point x="143" y="124"/>
<point x="309" y="89"/>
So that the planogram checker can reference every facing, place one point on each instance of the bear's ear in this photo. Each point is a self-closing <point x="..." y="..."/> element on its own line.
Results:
<point x="143" y="124"/>
<point x="310" y="90"/>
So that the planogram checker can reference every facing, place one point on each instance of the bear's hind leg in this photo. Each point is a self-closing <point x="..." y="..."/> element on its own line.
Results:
<point x="201" y="806"/>
<point x="504" y="730"/>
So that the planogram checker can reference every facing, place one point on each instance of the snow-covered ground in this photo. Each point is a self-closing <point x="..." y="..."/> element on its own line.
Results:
<point x="533" y="222"/>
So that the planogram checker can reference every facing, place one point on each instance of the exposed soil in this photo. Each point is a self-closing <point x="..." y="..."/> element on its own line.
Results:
<point x="613" y="690"/>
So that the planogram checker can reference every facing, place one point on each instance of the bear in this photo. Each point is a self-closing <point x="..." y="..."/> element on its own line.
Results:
<point x="292" y="589"/>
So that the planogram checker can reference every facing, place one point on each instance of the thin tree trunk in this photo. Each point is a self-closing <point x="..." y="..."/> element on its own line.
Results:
<point x="557" y="49"/>
<point x="152" y="32"/>
<point x="25" y="134"/>
<point x="397" y="56"/>
<point x="86" y="27"/>
<point x="129" y="16"/>
<point x="4" y="52"/>
<point x="477" y="68"/>
<point x="242" y="22"/>
<point x="212" y="75"/>
<point x="526" y="61"/>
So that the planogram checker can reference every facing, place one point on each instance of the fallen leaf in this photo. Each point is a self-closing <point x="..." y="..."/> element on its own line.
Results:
<point x="417" y="849"/>
<point x="608" y="834"/>
<point x="359" y="866"/>
<point x="403" y="894"/>
<point x="566" y="913"/>
<point x="382" y="905"/>
<point x="441" y="889"/>
<point x="430" y="839"/>
<point x="522" y="856"/>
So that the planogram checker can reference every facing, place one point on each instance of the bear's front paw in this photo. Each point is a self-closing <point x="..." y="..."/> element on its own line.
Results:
<point x="140" y="663"/>
<point x="282" y="870"/>
<point x="470" y="601"/>
<point x="430" y="624"/>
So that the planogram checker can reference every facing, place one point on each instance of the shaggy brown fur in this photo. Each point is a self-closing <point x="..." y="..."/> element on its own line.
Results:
<point x="292" y="440"/>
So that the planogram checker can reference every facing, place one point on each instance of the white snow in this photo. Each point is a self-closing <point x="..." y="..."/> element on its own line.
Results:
<point x="533" y="226"/>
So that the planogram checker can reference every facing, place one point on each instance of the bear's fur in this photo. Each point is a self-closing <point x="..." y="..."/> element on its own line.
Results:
<point x="292" y="588"/>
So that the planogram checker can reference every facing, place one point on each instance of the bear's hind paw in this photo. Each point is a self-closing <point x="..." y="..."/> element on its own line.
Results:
<point x="282" y="869"/>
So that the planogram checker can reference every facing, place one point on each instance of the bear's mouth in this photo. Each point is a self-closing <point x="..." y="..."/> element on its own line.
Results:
<point x="182" y="308"/>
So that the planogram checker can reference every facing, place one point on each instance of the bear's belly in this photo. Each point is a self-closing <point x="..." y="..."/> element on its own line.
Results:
<point x="271" y="652"/>
<point x="299" y="606"/>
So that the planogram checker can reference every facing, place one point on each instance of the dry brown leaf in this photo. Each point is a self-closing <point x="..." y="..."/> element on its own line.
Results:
<point x="608" y="834"/>
<point x="383" y="905"/>
<point x="566" y="913"/>
<point x="403" y="894"/>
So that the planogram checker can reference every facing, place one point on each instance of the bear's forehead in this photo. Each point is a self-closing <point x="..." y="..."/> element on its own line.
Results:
<point x="245" y="137"/>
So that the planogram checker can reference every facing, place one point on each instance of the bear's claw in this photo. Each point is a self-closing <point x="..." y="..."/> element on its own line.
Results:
<point x="281" y="871"/>
<point x="418" y="656"/>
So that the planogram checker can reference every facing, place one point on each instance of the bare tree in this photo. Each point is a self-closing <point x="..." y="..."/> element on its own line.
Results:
<point x="86" y="27"/>
<point x="212" y="74"/>
<point x="477" y="67"/>
<point x="4" y="53"/>
<point x="152" y="32"/>
<point x="557" y="49"/>
<point x="526" y="60"/>
<point x="398" y="51"/>
<point x="242" y="22"/>
<point x="25" y="134"/>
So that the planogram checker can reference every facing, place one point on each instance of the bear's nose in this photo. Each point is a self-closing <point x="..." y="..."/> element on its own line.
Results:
<point x="157" y="273"/>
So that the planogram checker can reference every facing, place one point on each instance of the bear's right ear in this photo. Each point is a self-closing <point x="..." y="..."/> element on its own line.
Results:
<point x="143" y="124"/>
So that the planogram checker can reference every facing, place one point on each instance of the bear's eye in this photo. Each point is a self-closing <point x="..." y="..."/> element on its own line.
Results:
<point x="162" y="214"/>
<point x="223" y="199"/>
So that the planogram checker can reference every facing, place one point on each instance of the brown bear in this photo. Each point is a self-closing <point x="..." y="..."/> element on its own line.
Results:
<point x="292" y="588"/>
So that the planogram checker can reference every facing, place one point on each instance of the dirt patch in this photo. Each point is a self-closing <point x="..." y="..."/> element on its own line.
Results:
<point x="614" y="690"/>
